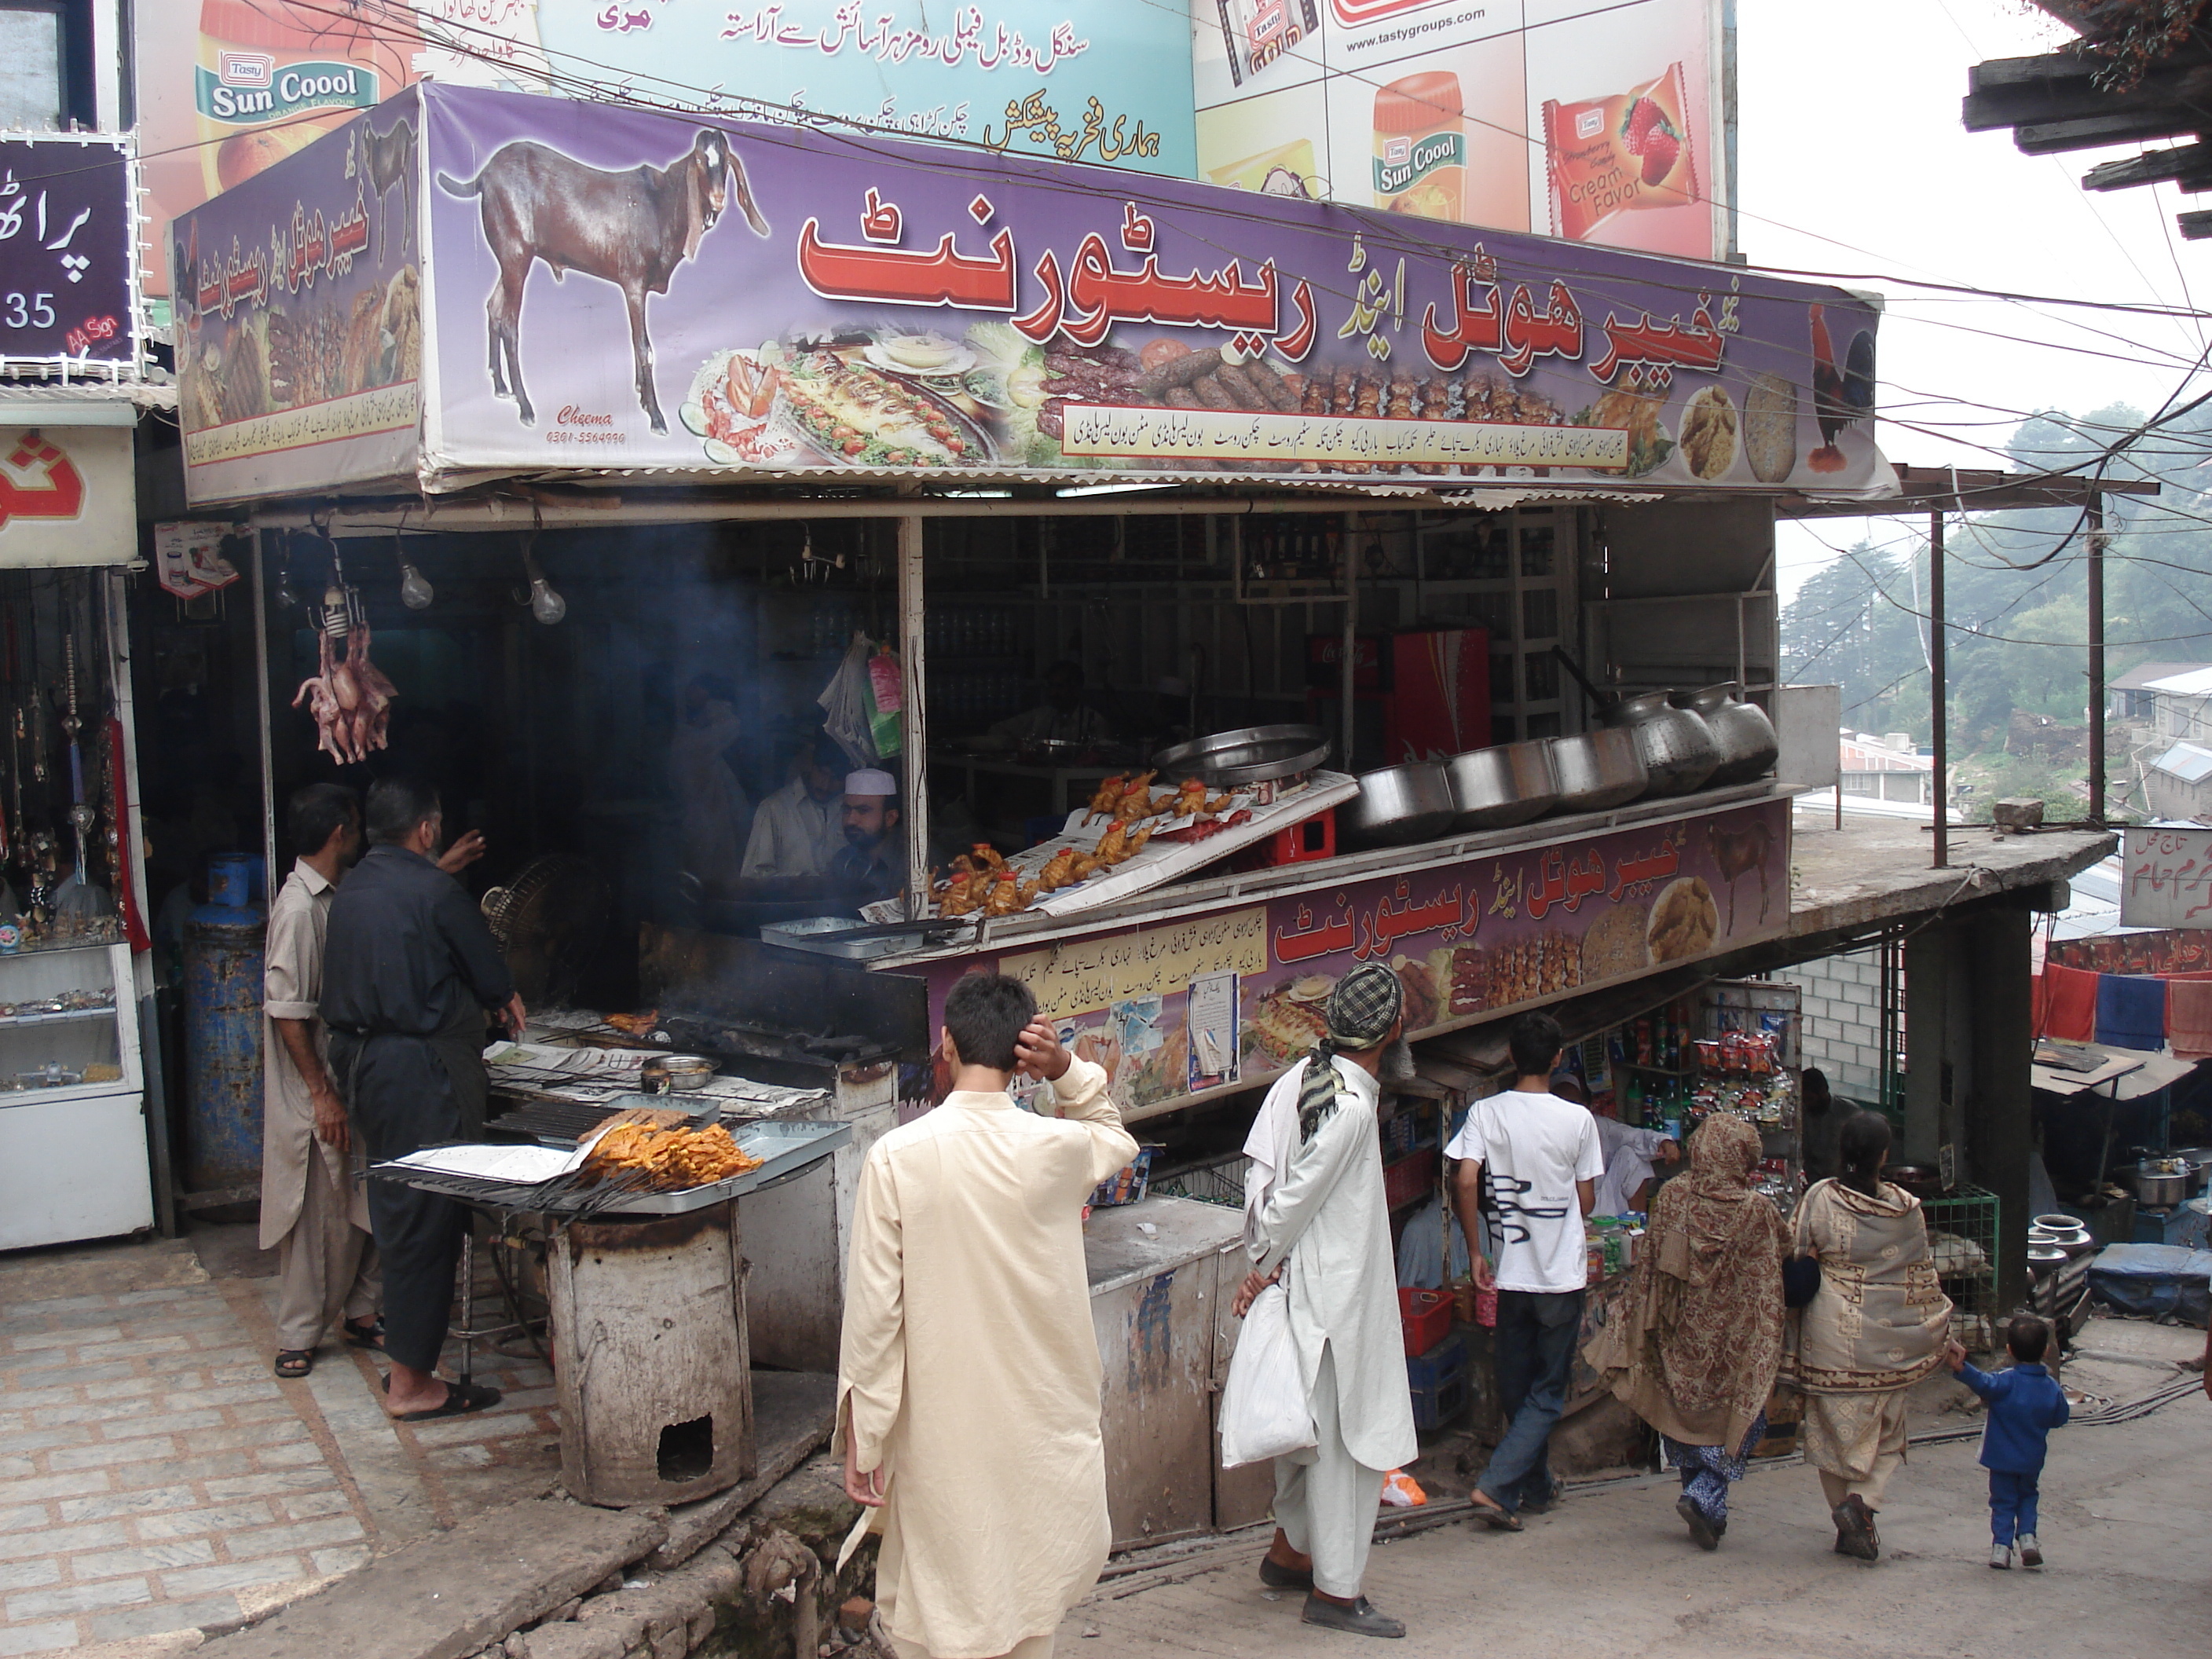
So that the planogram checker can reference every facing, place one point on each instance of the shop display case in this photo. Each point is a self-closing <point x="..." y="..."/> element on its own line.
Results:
<point x="73" y="1161"/>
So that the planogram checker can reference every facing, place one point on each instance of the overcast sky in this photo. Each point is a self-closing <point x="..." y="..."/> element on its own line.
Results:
<point x="1853" y="159"/>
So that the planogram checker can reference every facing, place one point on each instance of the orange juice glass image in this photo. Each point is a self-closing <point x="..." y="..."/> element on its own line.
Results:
<point x="272" y="77"/>
<point x="1420" y="147"/>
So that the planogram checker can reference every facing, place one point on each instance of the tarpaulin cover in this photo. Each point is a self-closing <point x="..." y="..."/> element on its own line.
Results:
<point x="2153" y="1281"/>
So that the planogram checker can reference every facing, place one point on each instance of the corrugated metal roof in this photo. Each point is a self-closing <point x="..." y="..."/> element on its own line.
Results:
<point x="2196" y="682"/>
<point x="2149" y="674"/>
<point x="2187" y="761"/>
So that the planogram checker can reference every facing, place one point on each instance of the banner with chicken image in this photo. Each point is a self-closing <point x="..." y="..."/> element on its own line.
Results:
<point x="722" y="301"/>
<point x="1470" y="939"/>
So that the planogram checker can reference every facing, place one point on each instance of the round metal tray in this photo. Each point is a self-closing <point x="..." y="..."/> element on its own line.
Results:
<point x="1250" y="754"/>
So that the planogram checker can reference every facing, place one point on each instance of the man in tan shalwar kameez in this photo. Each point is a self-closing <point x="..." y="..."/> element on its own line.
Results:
<point x="969" y="1387"/>
<point x="312" y="1212"/>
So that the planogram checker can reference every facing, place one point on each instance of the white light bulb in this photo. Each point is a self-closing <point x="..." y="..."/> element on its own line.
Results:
<point x="545" y="604"/>
<point x="414" y="592"/>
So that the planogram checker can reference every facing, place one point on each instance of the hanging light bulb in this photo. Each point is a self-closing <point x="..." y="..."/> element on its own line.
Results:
<point x="547" y="605"/>
<point x="414" y="593"/>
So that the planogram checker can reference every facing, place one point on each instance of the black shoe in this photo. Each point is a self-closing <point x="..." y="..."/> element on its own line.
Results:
<point x="1275" y="1575"/>
<point x="1701" y="1529"/>
<point x="1360" y="1618"/>
<point x="1541" y="1505"/>
<point x="1855" y="1534"/>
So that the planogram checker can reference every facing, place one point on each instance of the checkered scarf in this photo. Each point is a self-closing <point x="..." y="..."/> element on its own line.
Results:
<point x="1361" y="1010"/>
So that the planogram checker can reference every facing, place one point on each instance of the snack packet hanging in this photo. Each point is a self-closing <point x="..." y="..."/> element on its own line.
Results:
<point x="1608" y="156"/>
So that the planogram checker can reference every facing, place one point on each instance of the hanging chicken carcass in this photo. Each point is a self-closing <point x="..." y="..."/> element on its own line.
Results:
<point x="349" y="696"/>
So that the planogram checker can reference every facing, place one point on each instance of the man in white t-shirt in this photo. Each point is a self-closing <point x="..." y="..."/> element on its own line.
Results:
<point x="1544" y="1161"/>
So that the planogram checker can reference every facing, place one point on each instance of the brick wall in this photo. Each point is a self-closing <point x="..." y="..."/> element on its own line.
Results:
<point x="1843" y="1021"/>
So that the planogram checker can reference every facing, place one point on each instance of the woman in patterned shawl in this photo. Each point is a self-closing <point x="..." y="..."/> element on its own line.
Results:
<point x="1876" y="1326"/>
<point x="1696" y="1355"/>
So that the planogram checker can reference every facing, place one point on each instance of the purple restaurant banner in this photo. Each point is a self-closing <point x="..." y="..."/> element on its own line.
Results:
<point x="616" y="289"/>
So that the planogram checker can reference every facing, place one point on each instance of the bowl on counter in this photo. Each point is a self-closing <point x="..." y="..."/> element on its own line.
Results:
<point x="1495" y="788"/>
<point x="1398" y="806"/>
<point x="1597" y="770"/>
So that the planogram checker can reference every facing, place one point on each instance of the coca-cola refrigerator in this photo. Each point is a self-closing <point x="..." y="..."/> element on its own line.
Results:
<point x="1417" y="694"/>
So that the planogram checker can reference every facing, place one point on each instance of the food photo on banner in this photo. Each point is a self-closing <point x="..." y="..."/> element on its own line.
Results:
<point x="734" y="298"/>
<point x="1585" y="119"/>
<point x="1469" y="940"/>
<point x="298" y="323"/>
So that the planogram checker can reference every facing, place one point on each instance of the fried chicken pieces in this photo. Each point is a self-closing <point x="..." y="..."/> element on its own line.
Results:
<point x="671" y="1159"/>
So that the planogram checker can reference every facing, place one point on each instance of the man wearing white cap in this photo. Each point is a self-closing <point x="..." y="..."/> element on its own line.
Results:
<point x="871" y="864"/>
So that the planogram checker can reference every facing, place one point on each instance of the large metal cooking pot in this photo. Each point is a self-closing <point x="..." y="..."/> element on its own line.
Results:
<point x="2159" y="1186"/>
<point x="1398" y="804"/>
<point x="1677" y="745"/>
<point x="1251" y="754"/>
<point x="1746" y="737"/>
<point x="1493" y="788"/>
<point x="1597" y="770"/>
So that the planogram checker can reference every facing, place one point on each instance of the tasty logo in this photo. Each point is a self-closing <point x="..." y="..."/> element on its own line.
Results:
<point x="1351" y="13"/>
<point x="250" y="89"/>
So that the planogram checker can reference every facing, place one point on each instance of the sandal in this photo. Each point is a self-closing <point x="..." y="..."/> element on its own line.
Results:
<point x="293" y="1364"/>
<point x="461" y="1399"/>
<point x="1497" y="1517"/>
<point x="369" y="1336"/>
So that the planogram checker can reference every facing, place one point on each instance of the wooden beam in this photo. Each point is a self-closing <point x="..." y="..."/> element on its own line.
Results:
<point x="2153" y="166"/>
<point x="2002" y="74"/>
<point x="2194" y="227"/>
<point x="2050" y="137"/>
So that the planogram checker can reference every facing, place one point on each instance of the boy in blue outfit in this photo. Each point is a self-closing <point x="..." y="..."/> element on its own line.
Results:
<point x="2025" y="1404"/>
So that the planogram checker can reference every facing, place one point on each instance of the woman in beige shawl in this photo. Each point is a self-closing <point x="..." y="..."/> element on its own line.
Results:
<point x="1876" y="1326"/>
<point x="1696" y="1354"/>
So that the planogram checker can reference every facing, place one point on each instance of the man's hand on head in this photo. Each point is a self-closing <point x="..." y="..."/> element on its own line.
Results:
<point x="1037" y="1052"/>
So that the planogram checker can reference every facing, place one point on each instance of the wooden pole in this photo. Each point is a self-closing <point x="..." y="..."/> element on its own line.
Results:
<point x="1937" y="688"/>
<point x="2097" y="693"/>
<point x="1351" y="677"/>
<point x="913" y="725"/>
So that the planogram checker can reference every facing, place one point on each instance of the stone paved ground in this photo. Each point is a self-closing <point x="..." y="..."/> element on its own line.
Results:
<point x="155" y="1475"/>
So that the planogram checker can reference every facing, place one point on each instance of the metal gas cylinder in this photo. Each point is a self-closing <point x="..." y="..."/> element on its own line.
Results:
<point x="225" y="941"/>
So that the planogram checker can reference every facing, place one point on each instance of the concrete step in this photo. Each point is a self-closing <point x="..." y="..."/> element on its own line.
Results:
<point x="449" y="1595"/>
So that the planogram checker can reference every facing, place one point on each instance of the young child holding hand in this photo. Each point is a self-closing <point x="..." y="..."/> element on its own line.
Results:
<point x="2025" y="1404"/>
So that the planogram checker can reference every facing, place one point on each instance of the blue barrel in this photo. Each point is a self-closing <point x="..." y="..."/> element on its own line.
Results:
<point x="224" y="946"/>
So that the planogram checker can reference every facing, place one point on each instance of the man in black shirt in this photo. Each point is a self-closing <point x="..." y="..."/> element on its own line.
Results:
<point x="410" y="971"/>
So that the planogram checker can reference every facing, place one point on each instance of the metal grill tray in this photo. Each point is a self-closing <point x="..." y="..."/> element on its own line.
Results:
<point x="784" y="1148"/>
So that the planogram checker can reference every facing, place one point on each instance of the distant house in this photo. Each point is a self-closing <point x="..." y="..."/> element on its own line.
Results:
<point x="2131" y="696"/>
<point x="1886" y="768"/>
<point x="2181" y="705"/>
<point x="2179" y="783"/>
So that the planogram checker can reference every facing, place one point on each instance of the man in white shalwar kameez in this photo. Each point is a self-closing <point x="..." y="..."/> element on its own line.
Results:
<point x="969" y="1387"/>
<point x="1316" y="1216"/>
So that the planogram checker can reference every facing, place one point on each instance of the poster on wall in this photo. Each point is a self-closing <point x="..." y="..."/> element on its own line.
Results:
<point x="616" y="289"/>
<point x="1469" y="940"/>
<point x="227" y="86"/>
<point x="1594" y="120"/>
<point x="298" y="315"/>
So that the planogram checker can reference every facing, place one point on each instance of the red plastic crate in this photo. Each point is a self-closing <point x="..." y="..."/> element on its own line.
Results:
<point x="1410" y="1179"/>
<point x="1425" y="1316"/>
<point x="1302" y="843"/>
